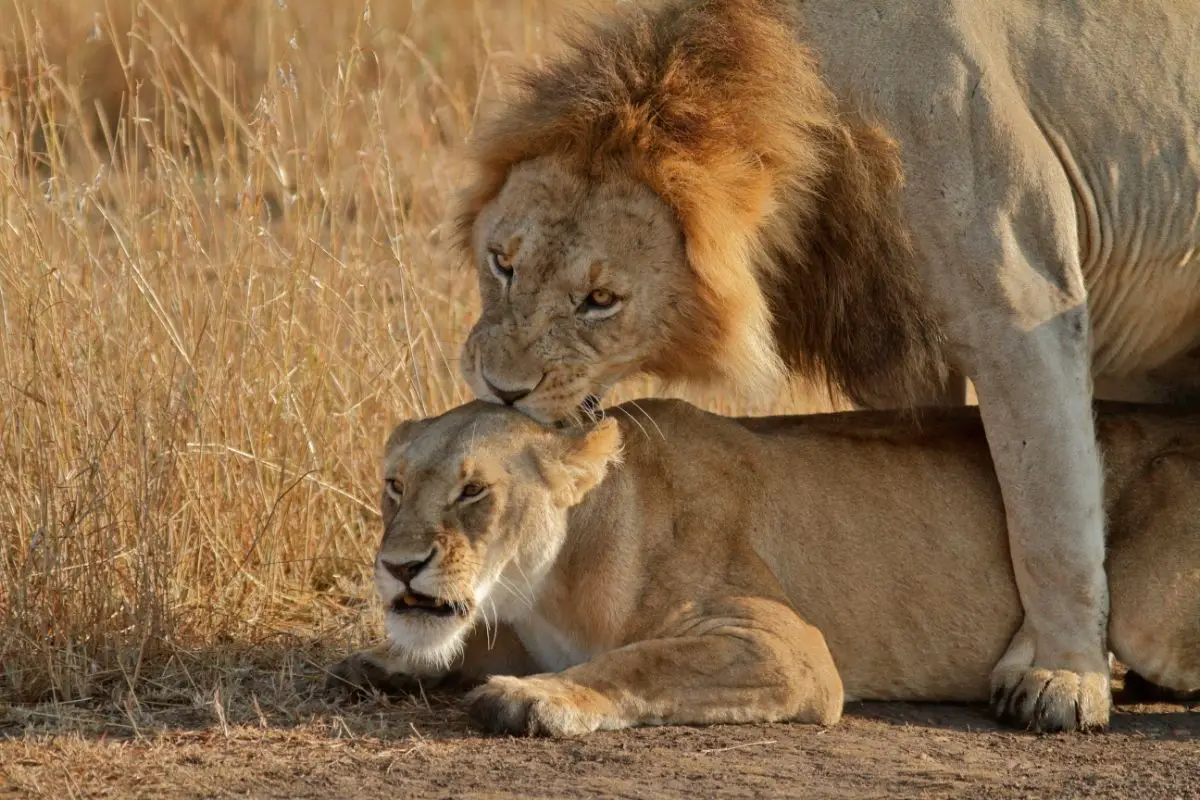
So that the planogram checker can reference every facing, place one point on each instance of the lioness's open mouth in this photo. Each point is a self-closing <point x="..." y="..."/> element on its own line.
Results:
<point x="411" y="602"/>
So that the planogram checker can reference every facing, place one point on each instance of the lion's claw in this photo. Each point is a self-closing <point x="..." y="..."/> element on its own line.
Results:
<point x="1051" y="701"/>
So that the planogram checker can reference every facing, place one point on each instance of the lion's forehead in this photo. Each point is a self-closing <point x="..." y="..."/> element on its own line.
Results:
<point x="566" y="226"/>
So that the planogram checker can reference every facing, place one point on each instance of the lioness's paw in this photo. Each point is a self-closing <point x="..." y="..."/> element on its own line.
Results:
<point x="361" y="674"/>
<point x="1050" y="701"/>
<point x="532" y="707"/>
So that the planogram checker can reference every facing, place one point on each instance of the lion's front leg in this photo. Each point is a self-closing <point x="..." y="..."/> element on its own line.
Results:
<point x="1035" y="400"/>
<point x="746" y="660"/>
<point x="995" y="218"/>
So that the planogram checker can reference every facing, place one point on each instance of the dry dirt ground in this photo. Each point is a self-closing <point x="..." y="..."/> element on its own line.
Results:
<point x="425" y="747"/>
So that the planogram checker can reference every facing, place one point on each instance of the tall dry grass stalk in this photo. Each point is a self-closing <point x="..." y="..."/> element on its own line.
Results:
<point x="222" y="280"/>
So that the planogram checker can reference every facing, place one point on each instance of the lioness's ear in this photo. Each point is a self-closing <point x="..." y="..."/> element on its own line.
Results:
<point x="581" y="461"/>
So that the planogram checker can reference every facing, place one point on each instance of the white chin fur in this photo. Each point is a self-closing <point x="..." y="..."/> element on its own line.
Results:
<point x="427" y="642"/>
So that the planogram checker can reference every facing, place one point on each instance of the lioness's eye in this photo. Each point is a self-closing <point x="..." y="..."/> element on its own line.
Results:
<point x="501" y="265"/>
<point x="599" y="301"/>
<point x="395" y="487"/>
<point x="471" y="491"/>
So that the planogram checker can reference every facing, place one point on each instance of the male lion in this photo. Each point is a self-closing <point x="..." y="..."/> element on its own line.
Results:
<point x="713" y="189"/>
<point x="682" y="567"/>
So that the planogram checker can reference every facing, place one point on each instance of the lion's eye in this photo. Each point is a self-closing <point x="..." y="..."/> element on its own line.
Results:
<point x="501" y="266"/>
<point x="472" y="491"/>
<point x="598" y="302"/>
<point x="394" y="487"/>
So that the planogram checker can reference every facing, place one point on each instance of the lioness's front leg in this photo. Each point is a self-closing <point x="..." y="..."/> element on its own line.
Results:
<point x="489" y="650"/>
<point x="744" y="660"/>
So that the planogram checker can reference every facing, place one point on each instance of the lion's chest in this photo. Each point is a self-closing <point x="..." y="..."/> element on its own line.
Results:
<point x="553" y="650"/>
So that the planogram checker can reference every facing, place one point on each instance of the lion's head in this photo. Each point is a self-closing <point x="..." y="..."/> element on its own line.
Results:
<point x="679" y="194"/>
<point x="474" y="509"/>
<point x="583" y="284"/>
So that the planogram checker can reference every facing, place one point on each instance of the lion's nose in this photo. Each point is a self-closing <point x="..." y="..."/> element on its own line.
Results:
<point x="408" y="570"/>
<point x="506" y="396"/>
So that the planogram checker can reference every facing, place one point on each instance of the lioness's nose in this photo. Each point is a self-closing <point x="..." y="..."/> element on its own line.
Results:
<point x="408" y="570"/>
<point x="507" y="396"/>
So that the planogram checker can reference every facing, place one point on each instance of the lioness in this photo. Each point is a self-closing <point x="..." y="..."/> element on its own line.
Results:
<point x="673" y="566"/>
<point x="882" y="193"/>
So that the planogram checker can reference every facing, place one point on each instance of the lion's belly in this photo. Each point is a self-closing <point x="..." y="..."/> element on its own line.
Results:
<point x="1144" y="317"/>
<point x="1138" y="221"/>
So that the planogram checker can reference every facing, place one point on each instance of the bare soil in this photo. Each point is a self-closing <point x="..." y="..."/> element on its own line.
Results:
<point x="425" y="747"/>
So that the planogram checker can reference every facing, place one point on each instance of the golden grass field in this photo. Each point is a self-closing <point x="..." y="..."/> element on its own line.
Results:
<point x="222" y="280"/>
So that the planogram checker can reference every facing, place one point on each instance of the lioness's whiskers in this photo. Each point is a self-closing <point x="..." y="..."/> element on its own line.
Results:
<point x="528" y="582"/>
<point x="489" y="632"/>
<point x="524" y="598"/>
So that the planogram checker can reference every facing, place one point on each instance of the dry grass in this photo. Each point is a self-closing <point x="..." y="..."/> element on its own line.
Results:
<point x="222" y="280"/>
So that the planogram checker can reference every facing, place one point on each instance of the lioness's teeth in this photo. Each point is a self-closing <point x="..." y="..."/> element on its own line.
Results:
<point x="423" y="602"/>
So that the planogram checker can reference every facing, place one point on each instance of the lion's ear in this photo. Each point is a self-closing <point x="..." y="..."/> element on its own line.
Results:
<point x="581" y="460"/>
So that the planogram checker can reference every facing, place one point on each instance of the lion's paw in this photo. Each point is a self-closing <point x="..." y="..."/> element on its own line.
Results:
<point x="1050" y="701"/>
<point x="360" y="675"/>
<point x="531" y="707"/>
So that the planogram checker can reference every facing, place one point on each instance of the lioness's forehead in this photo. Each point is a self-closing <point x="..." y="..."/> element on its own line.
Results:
<point x="475" y="431"/>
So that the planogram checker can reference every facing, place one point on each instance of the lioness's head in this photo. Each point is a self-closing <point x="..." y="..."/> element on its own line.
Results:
<point x="474" y="509"/>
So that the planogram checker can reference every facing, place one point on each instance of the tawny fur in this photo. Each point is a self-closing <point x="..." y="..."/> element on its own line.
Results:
<point x="708" y="566"/>
<point x="786" y="200"/>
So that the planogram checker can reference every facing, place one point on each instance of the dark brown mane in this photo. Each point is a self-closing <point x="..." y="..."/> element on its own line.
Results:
<point x="789" y="207"/>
